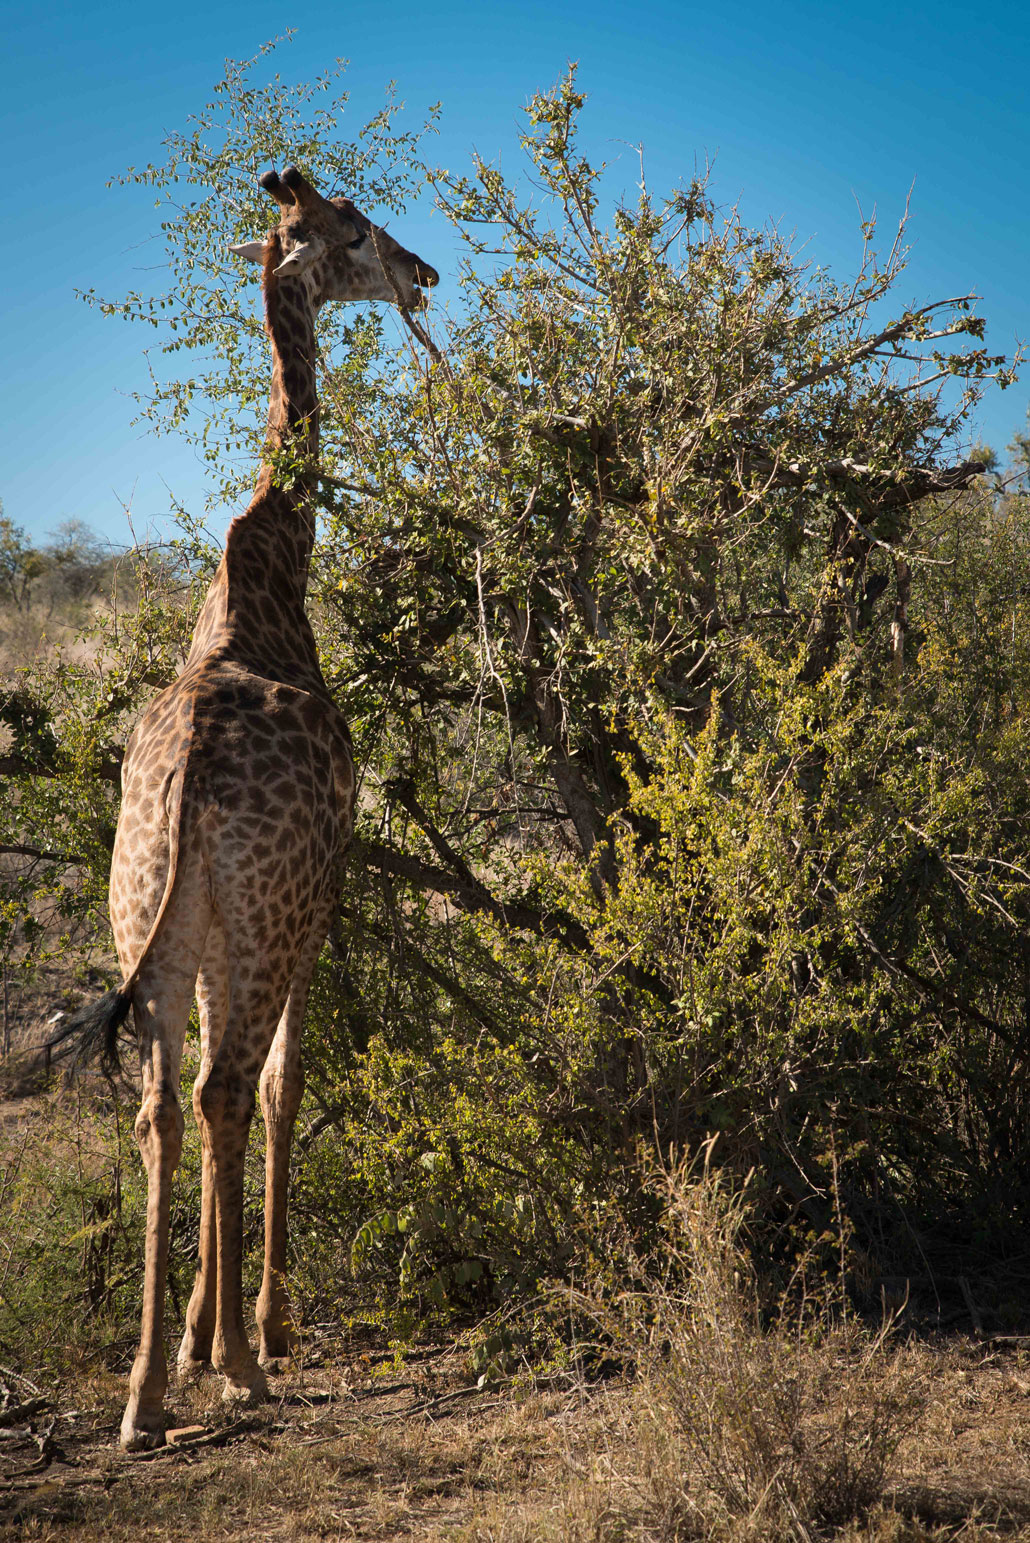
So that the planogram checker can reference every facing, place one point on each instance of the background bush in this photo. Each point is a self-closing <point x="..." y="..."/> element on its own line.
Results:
<point x="685" y="660"/>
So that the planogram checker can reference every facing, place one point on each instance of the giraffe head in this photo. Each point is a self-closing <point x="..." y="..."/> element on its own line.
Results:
<point x="340" y="254"/>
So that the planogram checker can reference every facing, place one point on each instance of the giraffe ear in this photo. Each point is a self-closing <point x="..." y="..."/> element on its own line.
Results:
<point x="301" y="258"/>
<point x="254" y="251"/>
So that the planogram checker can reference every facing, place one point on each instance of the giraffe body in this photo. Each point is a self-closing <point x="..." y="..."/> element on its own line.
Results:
<point x="238" y="795"/>
<point x="236" y="810"/>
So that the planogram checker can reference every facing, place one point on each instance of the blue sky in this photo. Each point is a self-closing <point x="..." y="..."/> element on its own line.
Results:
<point x="805" y="107"/>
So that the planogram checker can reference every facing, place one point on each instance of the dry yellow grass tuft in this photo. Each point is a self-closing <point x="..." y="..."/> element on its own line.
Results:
<point x="725" y="1428"/>
<point x="735" y="1429"/>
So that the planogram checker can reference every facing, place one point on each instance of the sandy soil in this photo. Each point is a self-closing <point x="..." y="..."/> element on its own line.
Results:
<point x="357" y="1445"/>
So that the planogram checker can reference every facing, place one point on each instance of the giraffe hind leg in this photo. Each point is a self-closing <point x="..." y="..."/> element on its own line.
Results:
<point x="161" y="1008"/>
<point x="213" y="1003"/>
<point x="269" y="876"/>
<point x="282" y="1087"/>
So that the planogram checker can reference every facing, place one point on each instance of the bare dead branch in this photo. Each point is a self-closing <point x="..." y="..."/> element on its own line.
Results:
<point x="470" y="894"/>
<point x="886" y="490"/>
<point x="39" y="855"/>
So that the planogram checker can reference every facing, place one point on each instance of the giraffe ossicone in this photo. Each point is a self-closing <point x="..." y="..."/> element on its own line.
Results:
<point x="237" y="803"/>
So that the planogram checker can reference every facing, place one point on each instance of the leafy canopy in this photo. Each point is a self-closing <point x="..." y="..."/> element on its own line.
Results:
<point x="685" y="660"/>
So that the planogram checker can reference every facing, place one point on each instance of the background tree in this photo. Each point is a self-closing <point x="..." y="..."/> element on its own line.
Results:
<point x="685" y="661"/>
<point x="19" y="564"/>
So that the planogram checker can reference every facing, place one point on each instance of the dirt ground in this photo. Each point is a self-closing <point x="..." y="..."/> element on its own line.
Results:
<point x="359" y="1446"/>
<point x="351" y="1448"/>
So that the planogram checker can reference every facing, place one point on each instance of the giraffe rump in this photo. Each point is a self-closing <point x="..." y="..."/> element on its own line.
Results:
<point x="92" y="1033"/>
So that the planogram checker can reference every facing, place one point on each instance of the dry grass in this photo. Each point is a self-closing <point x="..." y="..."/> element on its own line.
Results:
<point x="358" y="1453"/>
<point x="744" y="1431"/>
<point x="365" y="1452"/>
<point x="726" y="1430"/>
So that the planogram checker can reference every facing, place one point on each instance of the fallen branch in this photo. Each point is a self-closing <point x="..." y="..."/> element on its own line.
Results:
<point x="18" y="1412"/>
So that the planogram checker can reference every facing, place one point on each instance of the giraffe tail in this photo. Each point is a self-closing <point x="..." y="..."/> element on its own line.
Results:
<point x="94" y="1031"/>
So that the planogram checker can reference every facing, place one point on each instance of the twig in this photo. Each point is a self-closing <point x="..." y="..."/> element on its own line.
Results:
<point x="38" y="854"/>
<point x="889" y="334"/>
<point x="19" y="1412"/>
<point x="432" y="1404"/>
<point x="974" y="1311"/>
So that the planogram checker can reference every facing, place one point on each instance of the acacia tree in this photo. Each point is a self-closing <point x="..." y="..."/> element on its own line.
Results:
<point x="643" y="579"/>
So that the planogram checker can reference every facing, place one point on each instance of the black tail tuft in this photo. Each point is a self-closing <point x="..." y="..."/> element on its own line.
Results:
<point x="92" y="1032"/>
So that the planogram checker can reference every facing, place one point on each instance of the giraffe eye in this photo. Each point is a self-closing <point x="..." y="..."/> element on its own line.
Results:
<point x="352" y="246"/>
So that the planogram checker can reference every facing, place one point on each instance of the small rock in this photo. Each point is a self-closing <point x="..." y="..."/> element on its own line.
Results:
<point x="184" y="1435"/>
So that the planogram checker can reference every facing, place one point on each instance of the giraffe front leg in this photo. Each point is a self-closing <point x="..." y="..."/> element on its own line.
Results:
<point x="159" y="1126"/>
<point x="195" y="1350"/>
<point x="213" y="1005"/>
<point x="282" y="1086"/>
<point x="227" y="1106"/>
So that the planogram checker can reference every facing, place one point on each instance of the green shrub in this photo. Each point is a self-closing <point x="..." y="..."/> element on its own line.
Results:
<point x="688" y="682"/>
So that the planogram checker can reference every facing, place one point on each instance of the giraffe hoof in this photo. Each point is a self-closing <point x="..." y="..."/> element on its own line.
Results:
<point x="138" y="1438"/>
<point x="191" y="1369"/>
<point x="278" y="1365"/>
<point x="246" y="1394"/>
<point x="277" y="1349"/>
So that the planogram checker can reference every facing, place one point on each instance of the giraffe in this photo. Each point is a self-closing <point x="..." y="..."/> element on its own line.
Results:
<point x="237" y="802"/>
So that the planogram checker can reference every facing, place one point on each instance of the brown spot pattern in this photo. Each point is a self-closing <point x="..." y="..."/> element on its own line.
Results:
<point x="238" y="795"/>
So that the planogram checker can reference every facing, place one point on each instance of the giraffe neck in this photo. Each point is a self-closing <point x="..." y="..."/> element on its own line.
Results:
<point x="254" y="610"/>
